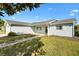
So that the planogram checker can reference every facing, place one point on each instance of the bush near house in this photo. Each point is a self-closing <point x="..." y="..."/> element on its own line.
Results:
<point x="12" y="34"/>
<point x="77" y="33"/>
<point x="77" y="27"/>
<point x="76" y="30"/>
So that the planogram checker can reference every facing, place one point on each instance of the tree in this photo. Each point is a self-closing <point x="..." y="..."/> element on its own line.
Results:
<point x="13" y="8"/>
<point x="1" y="23"/>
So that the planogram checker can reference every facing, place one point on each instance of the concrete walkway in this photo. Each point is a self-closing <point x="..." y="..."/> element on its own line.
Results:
<point x="18" y="41"/>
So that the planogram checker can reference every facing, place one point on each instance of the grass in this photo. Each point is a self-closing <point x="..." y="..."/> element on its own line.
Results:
<point x="52" y="46"/>
<point x="15" y="50"/>
<point x="21" y="49"/>
<point x="60" y="46"/>
<point x="8" y="39"/>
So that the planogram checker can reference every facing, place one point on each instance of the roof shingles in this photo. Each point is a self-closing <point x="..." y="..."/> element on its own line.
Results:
<point x="18" y="23"/>
<point x="52" y="22"/>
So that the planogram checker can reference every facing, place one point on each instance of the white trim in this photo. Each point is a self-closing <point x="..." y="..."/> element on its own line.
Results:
<point x="73" y="31"/>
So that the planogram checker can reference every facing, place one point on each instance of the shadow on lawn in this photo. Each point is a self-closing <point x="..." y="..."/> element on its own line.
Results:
<point x="34" y="48"/>
<point x="28" y="48"/>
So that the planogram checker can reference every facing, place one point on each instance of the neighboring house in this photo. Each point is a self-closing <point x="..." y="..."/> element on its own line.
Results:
<point x="50" y="27"/>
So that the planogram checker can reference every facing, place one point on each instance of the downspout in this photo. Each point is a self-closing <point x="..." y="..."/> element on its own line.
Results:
<point x="73" y="30"/>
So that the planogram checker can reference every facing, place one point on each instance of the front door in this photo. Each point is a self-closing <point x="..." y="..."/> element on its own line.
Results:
<point x="46" y="30"/>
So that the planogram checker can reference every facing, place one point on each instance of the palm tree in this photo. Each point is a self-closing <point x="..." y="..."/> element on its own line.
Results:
<point x="13" y="8"/>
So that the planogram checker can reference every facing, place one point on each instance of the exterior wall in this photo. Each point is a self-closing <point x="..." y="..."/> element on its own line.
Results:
<point x="39" y="31"/>
<point x="66" y="31"/>
<point x="21" y="30"/>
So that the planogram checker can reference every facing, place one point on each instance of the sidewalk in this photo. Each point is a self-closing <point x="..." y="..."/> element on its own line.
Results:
<point x="16" y="42"/>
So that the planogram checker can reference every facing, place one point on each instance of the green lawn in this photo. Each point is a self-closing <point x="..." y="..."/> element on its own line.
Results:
<point x="27" y="48"/>
<point x="8" y="39"/>
<point x="60" y="46"/>
<point x="50" y="46"/>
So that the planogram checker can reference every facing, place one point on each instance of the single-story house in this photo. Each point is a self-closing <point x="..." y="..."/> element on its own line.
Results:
<point x="51" y="27"/>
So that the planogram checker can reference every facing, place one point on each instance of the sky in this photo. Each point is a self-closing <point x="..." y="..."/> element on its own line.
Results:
<point x="47" y="11"/>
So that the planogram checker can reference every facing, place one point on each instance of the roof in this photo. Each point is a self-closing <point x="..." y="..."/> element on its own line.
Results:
<point x="65" y="21"/>
<point x="55" y="22"/>
<point x="48" y="22"/>
<point x="17" y="23"/>
<point x="43" y="22"/>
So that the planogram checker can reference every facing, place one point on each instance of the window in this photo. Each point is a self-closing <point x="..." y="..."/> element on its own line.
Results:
<point x="59" y="27"/>
<point x="39" y="28"/>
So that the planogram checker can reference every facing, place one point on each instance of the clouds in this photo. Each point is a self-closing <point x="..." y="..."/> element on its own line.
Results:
<point x="49" y="9"/>
<point x="13" y="18"/>
<point x="18" y="12"/>
<point x="36" y="16"/>
<point x="73" y="12"/>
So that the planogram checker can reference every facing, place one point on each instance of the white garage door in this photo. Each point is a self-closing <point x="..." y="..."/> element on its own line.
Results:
<point x="22" y="30"/>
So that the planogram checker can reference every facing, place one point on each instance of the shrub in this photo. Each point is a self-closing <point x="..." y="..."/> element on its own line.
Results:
<point x="77" y="33"/>
<point x="12" y="34"/>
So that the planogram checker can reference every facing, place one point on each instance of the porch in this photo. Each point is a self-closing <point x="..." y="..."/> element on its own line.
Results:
<point x="40" y="30"/>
